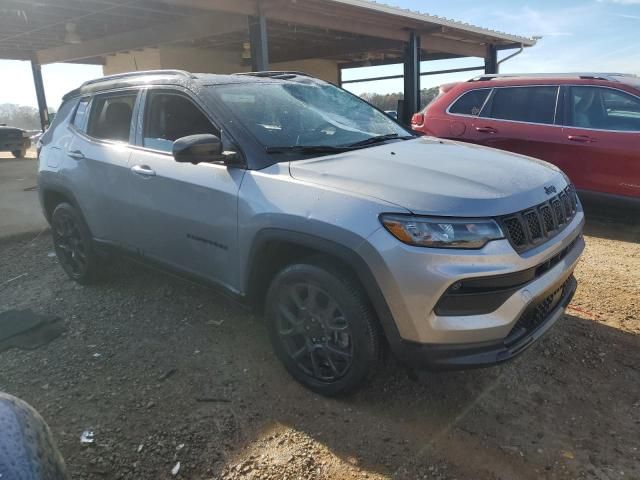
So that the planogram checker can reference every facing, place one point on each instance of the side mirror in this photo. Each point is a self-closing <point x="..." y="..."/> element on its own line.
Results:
<point x="203" y="148"/>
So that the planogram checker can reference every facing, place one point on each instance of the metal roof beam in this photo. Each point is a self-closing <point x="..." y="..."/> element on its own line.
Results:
<point x="182" y="30"/>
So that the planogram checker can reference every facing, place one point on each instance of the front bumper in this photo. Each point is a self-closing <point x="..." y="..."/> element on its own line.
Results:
<point x="483" y="354"/>
<point x="413" y="280"/>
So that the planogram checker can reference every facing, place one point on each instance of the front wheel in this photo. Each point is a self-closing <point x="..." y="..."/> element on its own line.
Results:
<point x="322" y="328"/>
<point x="19" y="153"/>
<point x="73" y="245"/>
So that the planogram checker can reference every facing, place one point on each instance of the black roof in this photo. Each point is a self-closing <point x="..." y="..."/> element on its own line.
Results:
<point x="177" y="77"/>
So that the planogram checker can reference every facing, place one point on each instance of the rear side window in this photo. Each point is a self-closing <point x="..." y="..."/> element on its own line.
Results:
<point x="471" y="102"/>
<point x="525" y="104"/>
<point x="110" y="117"/>
<point x="604" y="109"/>
<point x="63" y="113"/>
<point x="170" y="116"/>
<point x="80" y="117"/>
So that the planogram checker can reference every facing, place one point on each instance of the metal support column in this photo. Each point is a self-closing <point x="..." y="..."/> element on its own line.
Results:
<point x="491" y="60"/>
<point x="42" y="100"/>
<point x="259" y="41"/>
<point x="411" y="102"/>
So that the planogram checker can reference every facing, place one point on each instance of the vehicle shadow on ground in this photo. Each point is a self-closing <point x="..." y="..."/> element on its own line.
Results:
<point x="152" y="360"/>
<point x="512" y="421"/>
<point x="612" y="223"/>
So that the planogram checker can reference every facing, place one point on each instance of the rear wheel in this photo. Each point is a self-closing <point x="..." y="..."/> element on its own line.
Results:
<point x="322" y="329"/>
<point x="19" y="153"/>
<point x="73" y="245"/>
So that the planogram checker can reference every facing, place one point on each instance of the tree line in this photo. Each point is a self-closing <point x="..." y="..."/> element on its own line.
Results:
<point x="20" y="116"/>
<point x="389" y="101"/>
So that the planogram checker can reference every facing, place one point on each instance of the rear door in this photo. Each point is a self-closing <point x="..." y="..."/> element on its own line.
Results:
<point x="457" y="121"/>
<point x="97" y="160"/>
<point x="602" y="139"/>
<point x="180" y="214"/>
<point x="521" y="119"/>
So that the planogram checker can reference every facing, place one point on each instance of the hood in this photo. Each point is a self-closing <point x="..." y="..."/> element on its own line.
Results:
<point x="437" y="177"/>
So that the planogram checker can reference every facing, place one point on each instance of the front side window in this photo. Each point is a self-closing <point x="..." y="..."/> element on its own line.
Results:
<point x="604" y="109"/>
<point x="525" y="104"/>
<point x="110" y="117"/>
<point x="470" y="103"/>
<point x="303" y="114"/>
<point x="170" y="116"/>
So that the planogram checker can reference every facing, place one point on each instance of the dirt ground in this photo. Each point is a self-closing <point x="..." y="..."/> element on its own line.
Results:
<point x="164" y="371"/>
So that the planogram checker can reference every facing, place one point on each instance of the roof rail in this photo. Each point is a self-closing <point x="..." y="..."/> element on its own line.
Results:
<point x="593" y="76"/>
<point x="119" y="76"/>
<point x="274" y="74"/>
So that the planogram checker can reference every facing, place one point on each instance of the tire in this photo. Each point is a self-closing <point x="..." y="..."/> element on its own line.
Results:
<point x="73" y="244"/>
<point x="27" y="447"/>
<point x="322" y="328"/>
<point x="19" y="153"/>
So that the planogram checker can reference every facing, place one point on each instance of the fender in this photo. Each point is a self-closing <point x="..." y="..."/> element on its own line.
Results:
<point x="46" y="187"/>
<point x="344" y="254"/>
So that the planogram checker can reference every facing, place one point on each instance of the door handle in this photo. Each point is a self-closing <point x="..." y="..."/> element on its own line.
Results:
<point x="581" y="138"/>
<point x="76" y="154"/>
<point x="143" y="170"/>
<point x="486" y="130"/>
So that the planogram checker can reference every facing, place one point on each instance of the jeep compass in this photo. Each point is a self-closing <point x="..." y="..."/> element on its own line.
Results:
<point x="345" y="230"/>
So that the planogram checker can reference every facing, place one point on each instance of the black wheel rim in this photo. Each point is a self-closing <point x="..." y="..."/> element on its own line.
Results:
<point x="314" y="332"/>
<point x="70" y="246"/>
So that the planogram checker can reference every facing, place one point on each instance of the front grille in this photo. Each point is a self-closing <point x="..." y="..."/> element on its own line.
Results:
<point x="530" y="227"/>
<point x="535" y="315"/>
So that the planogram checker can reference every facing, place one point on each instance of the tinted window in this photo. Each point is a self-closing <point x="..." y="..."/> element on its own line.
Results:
<point x="604" y="109"/>
<point x="80" y="117"/>
<point x="525" y="104"/>
<point x="110" y="117"/>
<point x="471" y="102"/>
<point x="171" y="116"/>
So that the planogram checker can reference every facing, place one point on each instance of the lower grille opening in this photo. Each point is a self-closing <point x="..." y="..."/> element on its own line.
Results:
<point x="538" y="313"/>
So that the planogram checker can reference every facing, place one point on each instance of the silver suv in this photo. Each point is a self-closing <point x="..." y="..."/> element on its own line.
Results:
<point x="349" y="233"/>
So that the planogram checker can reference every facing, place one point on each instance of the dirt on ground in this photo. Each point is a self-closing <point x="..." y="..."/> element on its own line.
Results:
<point x="165" y="372"/>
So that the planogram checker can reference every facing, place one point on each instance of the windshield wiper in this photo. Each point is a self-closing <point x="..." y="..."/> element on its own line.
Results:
<point x="307" y="149"/>
<point x="379" y="139"/>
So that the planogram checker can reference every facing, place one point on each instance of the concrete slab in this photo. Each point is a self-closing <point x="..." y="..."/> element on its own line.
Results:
<point x="19" y="206"/>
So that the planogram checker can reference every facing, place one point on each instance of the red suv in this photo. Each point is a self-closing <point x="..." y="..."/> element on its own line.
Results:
<point x="586" y="124"/>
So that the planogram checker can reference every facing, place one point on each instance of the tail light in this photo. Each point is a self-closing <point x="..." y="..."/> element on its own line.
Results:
<point x="417" y="120"/>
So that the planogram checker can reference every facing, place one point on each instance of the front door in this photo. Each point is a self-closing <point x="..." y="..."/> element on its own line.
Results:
<point x="180" y="214"/>
<point x="602" y="138"/>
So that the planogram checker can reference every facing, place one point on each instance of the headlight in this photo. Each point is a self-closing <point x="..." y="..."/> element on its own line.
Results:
<point x="441" y="232"/>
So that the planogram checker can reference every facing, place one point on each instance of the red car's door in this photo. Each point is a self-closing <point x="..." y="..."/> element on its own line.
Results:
<point x="521" y="120"/>
<point x="602" y="139"/>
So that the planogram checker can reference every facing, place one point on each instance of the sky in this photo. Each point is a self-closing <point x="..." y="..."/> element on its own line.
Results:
<point x="578" y="36"/>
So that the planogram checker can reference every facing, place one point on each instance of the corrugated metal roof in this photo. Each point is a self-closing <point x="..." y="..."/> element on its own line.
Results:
<point x="433" y="19"/>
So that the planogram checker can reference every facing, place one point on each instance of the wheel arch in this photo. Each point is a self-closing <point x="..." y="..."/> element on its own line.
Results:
<point x="52" y="196"/>
<point x="273" y="249"/>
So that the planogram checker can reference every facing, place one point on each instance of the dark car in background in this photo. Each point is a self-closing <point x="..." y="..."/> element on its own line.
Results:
<point x="14" y="140"/>
<point x="586" y="124"/>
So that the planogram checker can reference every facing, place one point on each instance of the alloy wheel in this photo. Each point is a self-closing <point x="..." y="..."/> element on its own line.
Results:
<point x="315" y="332"/>
<point x="70" y="246"/>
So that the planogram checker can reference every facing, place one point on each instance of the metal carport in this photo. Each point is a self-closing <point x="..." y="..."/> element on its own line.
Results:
<point x="238" y="35"/>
